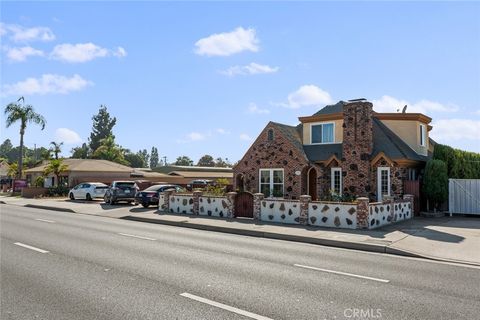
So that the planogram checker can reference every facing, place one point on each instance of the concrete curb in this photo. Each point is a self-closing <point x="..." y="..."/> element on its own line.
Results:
<point x="36" y="206"/>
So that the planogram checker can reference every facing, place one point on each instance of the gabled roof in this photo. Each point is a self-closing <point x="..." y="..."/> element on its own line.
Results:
<point x="87" y="165"/>
<point x="292" y="134"/>
<point x="333" y="108"/>
<point x="386" y="141"/>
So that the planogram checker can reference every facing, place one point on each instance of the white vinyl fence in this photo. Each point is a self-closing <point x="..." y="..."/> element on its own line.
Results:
<point x="464" y="196"/>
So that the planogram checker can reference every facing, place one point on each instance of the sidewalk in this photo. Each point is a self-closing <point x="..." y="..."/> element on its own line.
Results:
<point x="454" y="239"/>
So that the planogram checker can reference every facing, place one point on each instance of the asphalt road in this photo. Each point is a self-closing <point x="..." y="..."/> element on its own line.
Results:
<point x="103" y="268"/>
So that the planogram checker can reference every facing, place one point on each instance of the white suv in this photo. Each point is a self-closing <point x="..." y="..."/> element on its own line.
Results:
<point x="88" y="191"/>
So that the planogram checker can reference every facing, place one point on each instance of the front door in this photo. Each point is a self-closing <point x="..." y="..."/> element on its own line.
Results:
<point x="383" y="182"/>
<point x="312" y="184"/>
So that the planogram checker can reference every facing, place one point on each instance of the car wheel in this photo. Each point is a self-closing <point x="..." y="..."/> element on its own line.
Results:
<point x="111" y="202"/>
<point x="105" y="199"/>
<point x="145" y="205"/>
<point x="89" y="197"/>
<point x="72" y="197"/>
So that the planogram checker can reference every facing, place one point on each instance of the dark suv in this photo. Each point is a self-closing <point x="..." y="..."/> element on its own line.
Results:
<point x="121" y="191"/>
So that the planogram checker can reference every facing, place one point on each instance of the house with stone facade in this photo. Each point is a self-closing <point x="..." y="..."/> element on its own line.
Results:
<point x="345" y="149"/>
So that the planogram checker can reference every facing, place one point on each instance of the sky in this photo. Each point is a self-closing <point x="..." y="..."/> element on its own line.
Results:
<point x="195" y="78"/>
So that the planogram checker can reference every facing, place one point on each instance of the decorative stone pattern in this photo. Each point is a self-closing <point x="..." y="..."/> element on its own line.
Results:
<point x="181" y="204"/>
<point x="381" y="214"/>
<point x="278" y="153"/>
<point x="357" y="148"/>
<point x="304" y="201"/>
<point x="213" y="206"/>
<point x="397" y="176"/>
<point x="257" y="206"/>
<point x="231" y="204"/>
<point x="166" y="201"/>
<point x="333" y="215"/>
<point x="196" y="202"/>
<point x="362" y="213"/>
<point x="161" y="202"/>
<point x="281" y="211"/>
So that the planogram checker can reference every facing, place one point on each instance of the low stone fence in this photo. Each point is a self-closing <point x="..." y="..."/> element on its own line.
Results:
<point x="360" y="214"/>
<point x="33" y="192"/>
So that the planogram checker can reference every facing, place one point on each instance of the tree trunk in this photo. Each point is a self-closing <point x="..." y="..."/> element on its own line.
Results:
<point x="20" y="158"/>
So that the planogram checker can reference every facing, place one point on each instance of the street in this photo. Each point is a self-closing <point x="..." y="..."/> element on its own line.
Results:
<point x="57" y="265"/>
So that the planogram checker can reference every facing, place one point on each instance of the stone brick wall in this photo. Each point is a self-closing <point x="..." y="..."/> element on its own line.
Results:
<point x="397" y="176"/>
<point x="279" y="153"/>
<point x="357" y="148"/>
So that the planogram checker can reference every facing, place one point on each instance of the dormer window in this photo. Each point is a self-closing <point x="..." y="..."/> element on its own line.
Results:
<point x="323" y="133"/>
<point x="422" y="135"/>
<point x="270" y="135"/>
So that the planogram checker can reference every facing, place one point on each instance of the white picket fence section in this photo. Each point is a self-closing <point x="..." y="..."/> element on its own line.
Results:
<point x="464" y="196"/>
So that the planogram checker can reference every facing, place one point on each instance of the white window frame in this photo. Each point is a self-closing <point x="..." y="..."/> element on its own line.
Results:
<point x="422" y="135"/>
<point x="332" y="179"/>
<point x="318" y="124"/>
<point x="379" y="183"/>
<point x="271" y="170"/>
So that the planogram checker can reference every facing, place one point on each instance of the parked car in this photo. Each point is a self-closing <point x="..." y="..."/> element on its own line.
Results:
<point x="151" y="195"/>
<point x="88" y="191"/>
<point x="121" y="191"/>
<point x="199" y="184"/>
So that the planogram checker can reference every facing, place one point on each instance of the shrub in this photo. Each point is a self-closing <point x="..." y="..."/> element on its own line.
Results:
<point x="435" y="182"/>
<point x="58" y="191"/>
<point x="39" y="181"/>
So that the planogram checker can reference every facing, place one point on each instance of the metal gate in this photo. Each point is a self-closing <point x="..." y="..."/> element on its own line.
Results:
<point x="464" y="196"/>
<point x="244" y="205"/>
<point x="413" y="187"/>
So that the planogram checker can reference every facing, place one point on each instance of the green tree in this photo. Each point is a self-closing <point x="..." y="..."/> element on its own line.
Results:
<point x="5" y="148"/>
<point x="55" y="167"/>
<point x="206" y="161"/>
<point x="435" y="182"/>
<point x="56" y="148"/>
<point x="154" y="158"/>
<point x="25" y="114"/>
<point x="219" y="162"/>
<point x="102" y="127"/>
<point x="183" y="161"/>
<point x="134" y="159"/>
<point x="145" y="157"/>
<point x="109" y="150"/>
<point x="82" y="152"/>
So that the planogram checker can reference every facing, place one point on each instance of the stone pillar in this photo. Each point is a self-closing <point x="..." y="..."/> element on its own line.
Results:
<point x="231" y="204"/>
<point x="165" y="207"/>
<point x="391" y="202"/>
<point x="362" y="213"/>
<point x="196" y="202"/>
<point x="304" y="201"/>
<point x="410" y="198"/>
<point x="257" y="205"/>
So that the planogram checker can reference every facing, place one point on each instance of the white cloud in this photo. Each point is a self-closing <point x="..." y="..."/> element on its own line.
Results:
<point x="21" y="53"/>
<point x="245" y="137"/>
<point x="83" y="52"/>
<point x="23" y="34"/>
<point x="391" y="104"/>
<point x="456" y="129"/>
<point x="67" y="136"/>
<point x="228" y="43"/>
<point x="307" y="95"/>
<point x="253" y="108"/>
<point x="48" y="83"/>
<point x="222" y="131"/>
<point x="252" y="68"/>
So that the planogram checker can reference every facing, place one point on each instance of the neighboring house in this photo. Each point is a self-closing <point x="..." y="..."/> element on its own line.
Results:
<point x="188" y="173"/>
<point x="344" y="149"/>
<point x="84" y="170"/>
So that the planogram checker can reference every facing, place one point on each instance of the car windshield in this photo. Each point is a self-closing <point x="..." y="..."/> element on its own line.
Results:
<point x="157" y="187"/>
<point x="126" y="184"/>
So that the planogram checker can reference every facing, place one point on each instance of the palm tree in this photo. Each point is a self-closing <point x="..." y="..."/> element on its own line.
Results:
<point x="25" y="114"/>
<point x="109" y="150"/>
<point x="56" y="148"/>
<point x="57" y="167"/>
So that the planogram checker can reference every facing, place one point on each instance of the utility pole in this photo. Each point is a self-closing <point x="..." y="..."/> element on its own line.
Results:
<point x="164" y="161"/>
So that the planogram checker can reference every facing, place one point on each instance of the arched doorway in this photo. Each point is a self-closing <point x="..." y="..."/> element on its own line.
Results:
<point x="239" y="183"/>
<point x="312" y="183"/>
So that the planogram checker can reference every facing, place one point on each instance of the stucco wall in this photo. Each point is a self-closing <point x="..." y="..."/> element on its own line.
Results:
<point x="213" y="206"/>
<point x="181" y="204"/>
<point x="280" y="211"/>
<point x="334" y="215"/>
<point x="387" y="213"/>
<point x="409" y="131"/>
<point x="307" y="129"/>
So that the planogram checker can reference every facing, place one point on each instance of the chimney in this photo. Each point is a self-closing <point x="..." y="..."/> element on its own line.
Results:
<point x="357" y="147"/>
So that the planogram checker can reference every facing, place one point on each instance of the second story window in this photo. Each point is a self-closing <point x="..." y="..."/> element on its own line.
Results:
<point x="422" y="135"/>
<point x="270" y="135"/>
<point x="323" y="133"/>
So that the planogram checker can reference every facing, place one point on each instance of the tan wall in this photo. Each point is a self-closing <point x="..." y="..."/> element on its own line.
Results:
<point x="409" y="131"/>
<point x="307" y="128"/>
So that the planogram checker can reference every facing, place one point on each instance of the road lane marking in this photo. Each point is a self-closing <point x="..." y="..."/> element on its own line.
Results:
<point x="342" y="273"/>
<point x="44" y="220"/>
<point x="134" y="236"/>
<point x="224" y="306"/>
<point x="30" y="247"/>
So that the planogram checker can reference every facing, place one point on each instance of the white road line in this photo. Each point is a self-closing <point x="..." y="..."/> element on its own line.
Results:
<point x="134" y="236"/>
<point x="30" y="247"/>
<point x="44" y="220"/>
<point x="342" y="273"/>
<point x="224" y="306"/>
